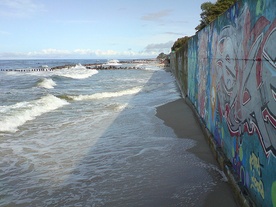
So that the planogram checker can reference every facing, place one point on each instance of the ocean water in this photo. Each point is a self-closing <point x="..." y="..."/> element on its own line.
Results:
<point x="82" y="137"/>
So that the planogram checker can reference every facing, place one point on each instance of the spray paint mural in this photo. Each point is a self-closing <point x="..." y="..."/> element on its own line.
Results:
<point x="246" y="86"/>
<point x="232" y="83"/>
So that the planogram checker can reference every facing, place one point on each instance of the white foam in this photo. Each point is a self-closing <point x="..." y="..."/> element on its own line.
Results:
<point x="18" y="114"/>
<point x="47" y="83"/>
<point x="151" y="68"/>
<point x="213" y="168"/>
<point x="131" y="91"/>
<point x="78" y="66"/>
<point x="76" y="72"/>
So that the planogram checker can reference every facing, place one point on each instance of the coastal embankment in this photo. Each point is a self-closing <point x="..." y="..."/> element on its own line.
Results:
<point x="226" y="72"/>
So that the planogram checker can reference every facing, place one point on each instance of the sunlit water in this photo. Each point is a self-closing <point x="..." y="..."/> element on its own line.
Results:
<point x="78" y="137"/>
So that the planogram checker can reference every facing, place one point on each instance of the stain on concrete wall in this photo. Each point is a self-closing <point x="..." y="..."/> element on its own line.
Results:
<point x="232" y="83"/>
<point x="180" y="69"/>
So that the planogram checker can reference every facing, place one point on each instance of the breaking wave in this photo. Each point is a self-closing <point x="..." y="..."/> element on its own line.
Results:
<point x="46" y="83"/>
<point x="102" y="95"/>
<point x="18" y="114"/>
<point x="76" y="72"/>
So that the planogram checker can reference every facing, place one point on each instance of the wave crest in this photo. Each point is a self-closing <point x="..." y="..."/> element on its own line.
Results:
<point x="102" y="95"/>
<point x="76" y="72"/>
<point x="46" y="83"/>
<point x="18" y="114"/>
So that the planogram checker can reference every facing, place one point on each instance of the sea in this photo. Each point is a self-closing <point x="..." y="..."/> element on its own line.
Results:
<point x="86" y="137"/>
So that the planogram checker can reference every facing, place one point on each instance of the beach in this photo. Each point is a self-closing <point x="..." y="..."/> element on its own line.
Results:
<point x="179" y="116"/>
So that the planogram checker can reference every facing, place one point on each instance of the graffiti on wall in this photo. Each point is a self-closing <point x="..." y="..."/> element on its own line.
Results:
<point x="232" y="84"/>
<point x="192" y="70"/>
<point x="243" y="96"/>
<point x="256" y="168"/>
<point x="202" y="74"/>
<point x="246" y="87"/>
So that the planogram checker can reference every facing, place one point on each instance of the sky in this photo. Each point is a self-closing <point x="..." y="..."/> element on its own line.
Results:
<point x="94" y="29"/>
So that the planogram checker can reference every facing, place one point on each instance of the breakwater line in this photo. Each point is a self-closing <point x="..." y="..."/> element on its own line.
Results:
<point x="28" y="70"/>
<point x="99" y="67"/>
<point x="87" y="66"/>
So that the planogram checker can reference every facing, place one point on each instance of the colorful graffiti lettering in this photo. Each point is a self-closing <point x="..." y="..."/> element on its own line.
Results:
<point x="254" y="162"/>
<point x="246" y="87"/>
<point x="258" y="185"/>
<point x="255" y="167"/>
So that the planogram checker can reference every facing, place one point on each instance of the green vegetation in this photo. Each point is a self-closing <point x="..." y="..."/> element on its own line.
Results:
<point x="210" y="11"/>
<point x="179" y="43"/>
<point x="164" y="59"/>
<point x="162" y="56"/>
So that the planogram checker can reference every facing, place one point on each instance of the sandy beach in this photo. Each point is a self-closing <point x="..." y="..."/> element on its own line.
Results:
<point x="180" y="118"/>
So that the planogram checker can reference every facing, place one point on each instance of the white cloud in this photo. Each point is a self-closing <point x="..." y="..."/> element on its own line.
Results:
<point x="19" y="8"/>
<point x="49" y="52"/>
<point x="161" y="47"/>
<point x="149" y="51"/>
<point x="175" y="33"/>
<point x="157" y="16"/>
<point x="81" y="53"/>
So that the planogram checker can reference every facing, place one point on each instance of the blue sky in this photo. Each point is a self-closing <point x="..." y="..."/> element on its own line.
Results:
<point x="94" y="29"/>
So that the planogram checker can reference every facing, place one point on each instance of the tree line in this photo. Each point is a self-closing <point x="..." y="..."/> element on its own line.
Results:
<point x="210" y="11"/>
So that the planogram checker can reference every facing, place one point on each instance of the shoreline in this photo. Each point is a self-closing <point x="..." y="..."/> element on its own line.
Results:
<point x="179" y="116"/>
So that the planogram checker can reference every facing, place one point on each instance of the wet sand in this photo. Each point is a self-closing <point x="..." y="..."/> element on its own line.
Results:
<point x="178" y="116"/>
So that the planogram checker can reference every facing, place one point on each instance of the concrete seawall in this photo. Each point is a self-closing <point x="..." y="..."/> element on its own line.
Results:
<point x="227" y="73"/>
